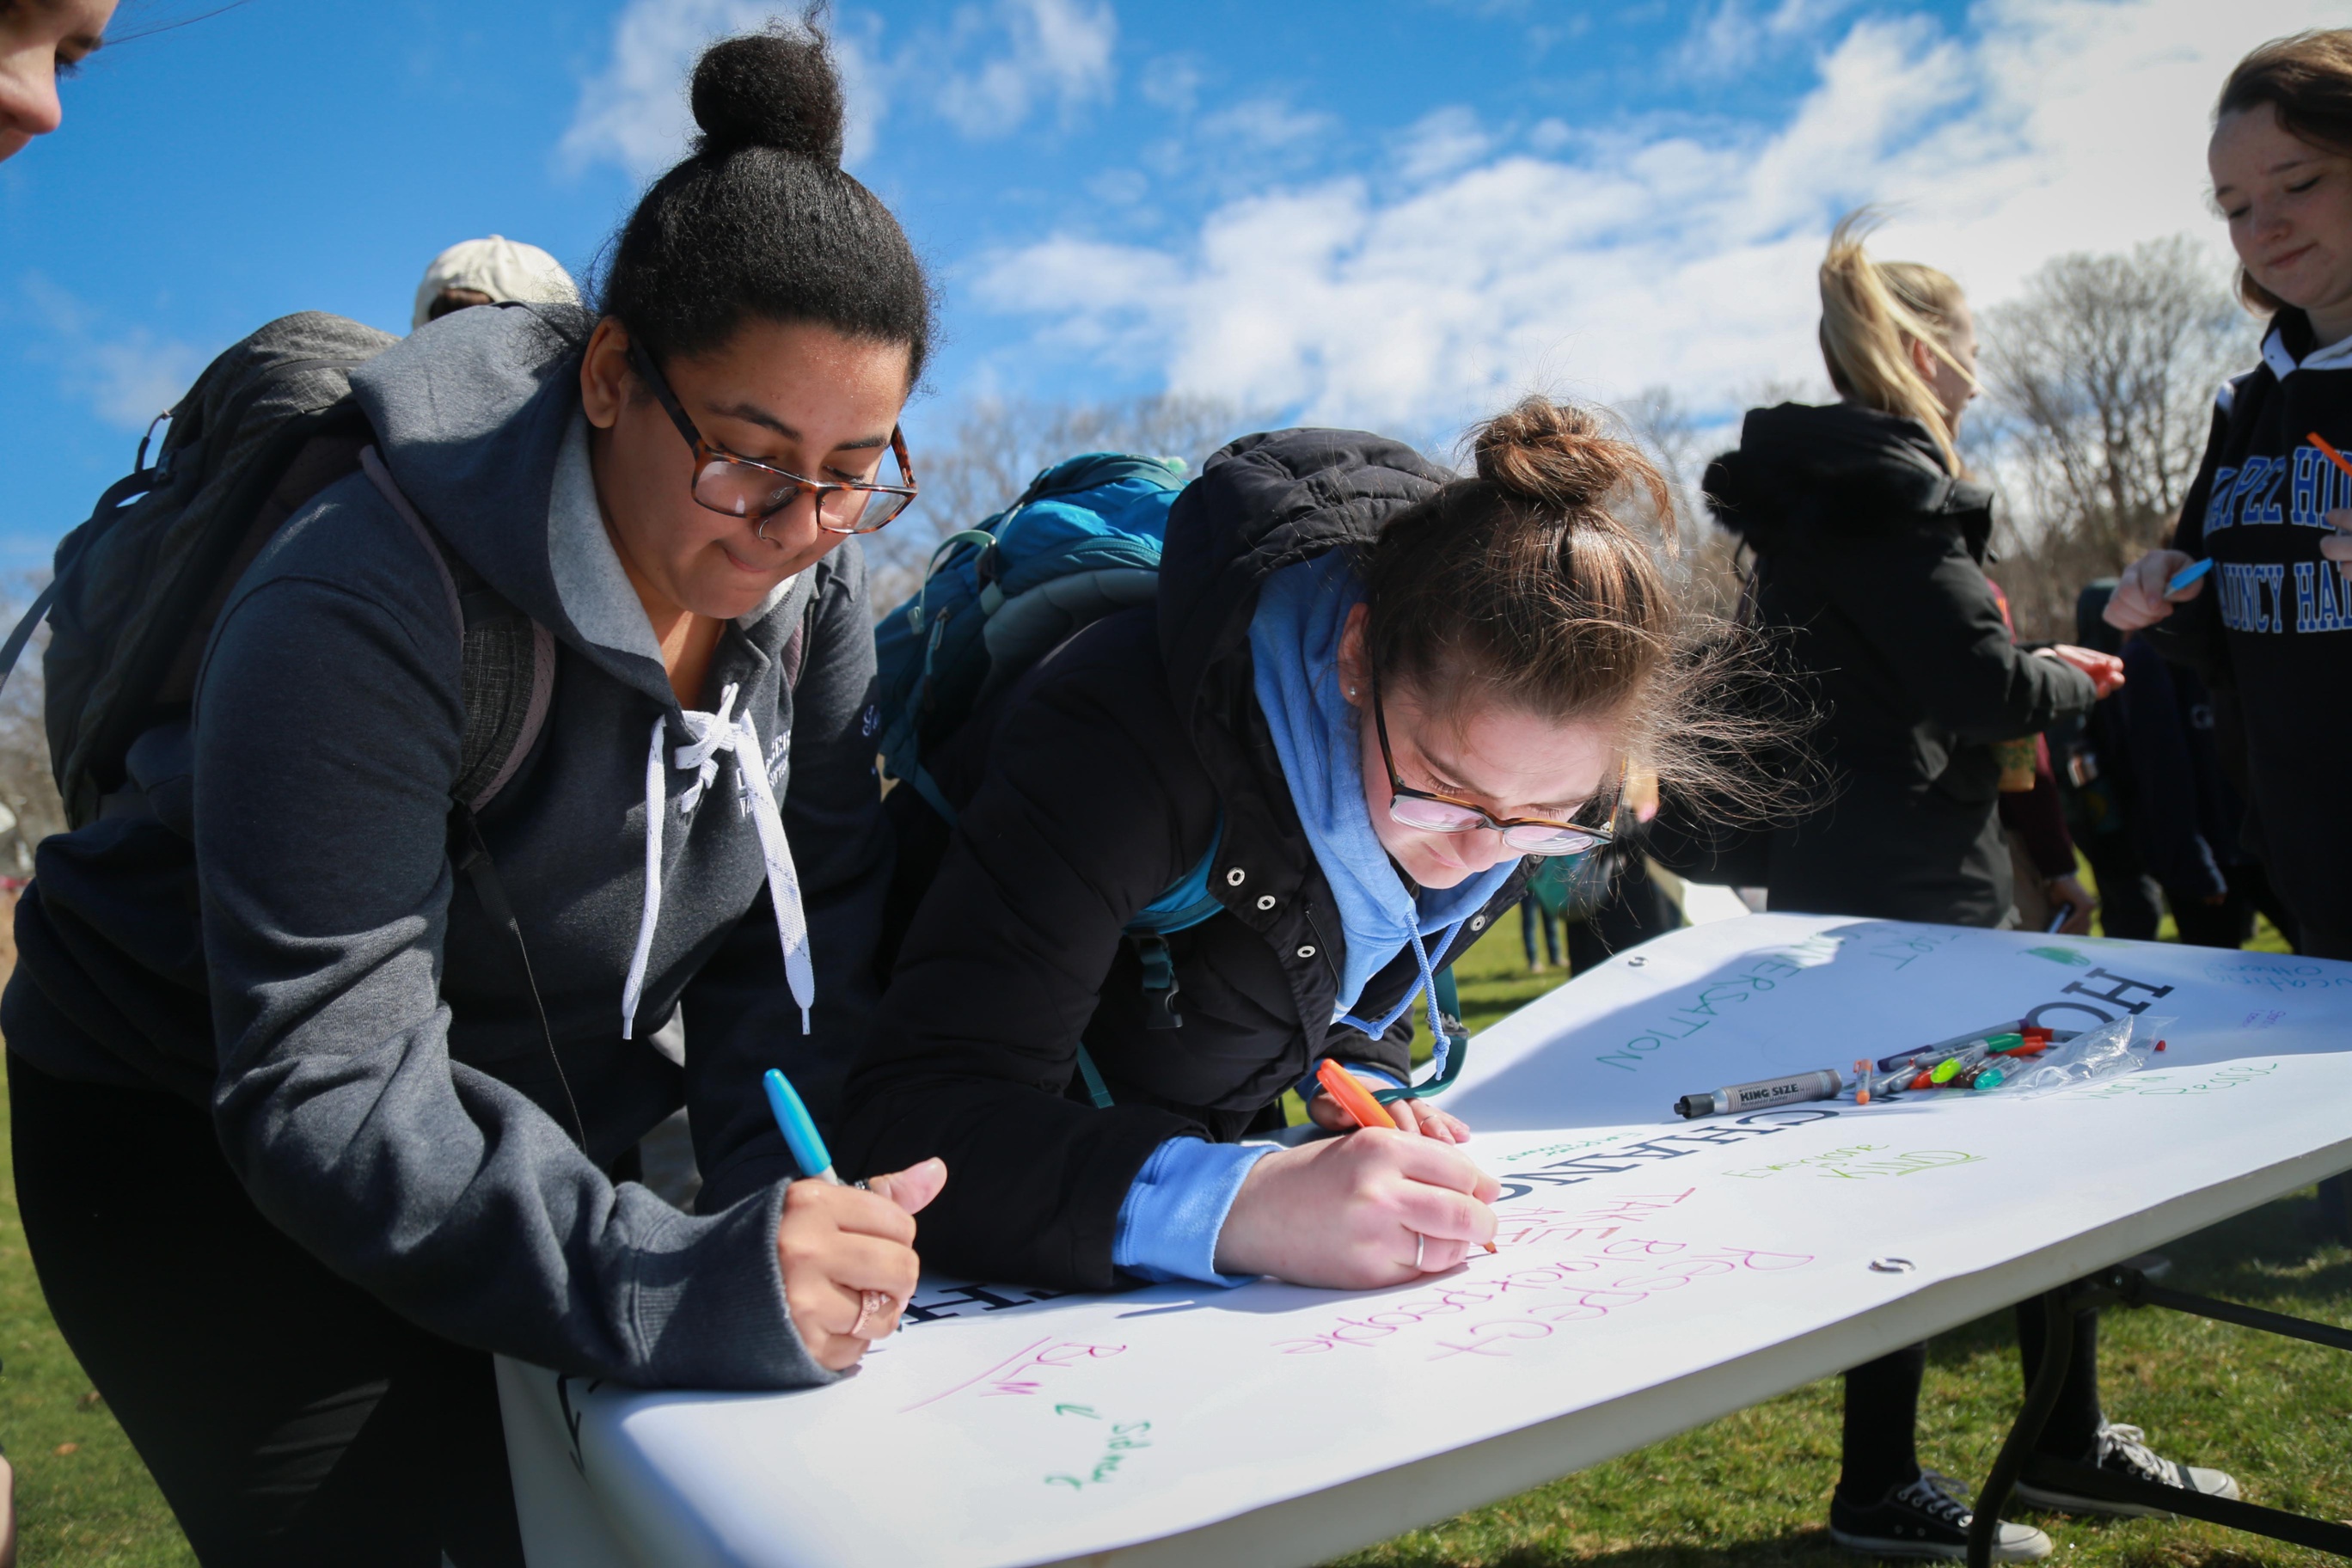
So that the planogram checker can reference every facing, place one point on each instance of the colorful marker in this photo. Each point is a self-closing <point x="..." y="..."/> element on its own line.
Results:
<point x="1862" y="1083"/>
<point x="2330" y="453"/>
<point x="798" y="1127"/>
<point x="1823" y="1084"/>
<point x="1351" y="1096"/>
<point x="2181" y="579"/>
<point x="1356" y="1101"/>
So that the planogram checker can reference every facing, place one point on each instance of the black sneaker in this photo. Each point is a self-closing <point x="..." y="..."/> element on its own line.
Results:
<point x="2123" y="1451"/>
<point x="1925" y="1518"/>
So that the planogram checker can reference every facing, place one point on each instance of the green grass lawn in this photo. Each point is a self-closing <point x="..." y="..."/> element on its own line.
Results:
<point x="1748" y="1492"/>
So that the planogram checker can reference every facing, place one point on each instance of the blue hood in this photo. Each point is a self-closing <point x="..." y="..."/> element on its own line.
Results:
<point x="1295" y="647"/>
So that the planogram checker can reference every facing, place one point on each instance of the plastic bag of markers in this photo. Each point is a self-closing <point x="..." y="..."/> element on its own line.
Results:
<point x="2107" y="1051"/>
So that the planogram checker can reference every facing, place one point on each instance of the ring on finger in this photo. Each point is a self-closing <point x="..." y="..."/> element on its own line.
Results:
<point x="1420" y="1243"/>
<point x="871" y="1305"/>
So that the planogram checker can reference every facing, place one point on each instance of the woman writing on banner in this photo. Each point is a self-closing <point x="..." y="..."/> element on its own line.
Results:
<point x="299" y="1137"/>
<point x="1869" y="543"/>
<point x="1367" y="691"/>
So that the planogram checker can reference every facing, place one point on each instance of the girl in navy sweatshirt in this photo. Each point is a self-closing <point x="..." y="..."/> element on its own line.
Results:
<point x="2270" y="623"/>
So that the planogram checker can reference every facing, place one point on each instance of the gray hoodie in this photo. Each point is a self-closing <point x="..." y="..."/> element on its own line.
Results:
<point x="361" y="1032"/>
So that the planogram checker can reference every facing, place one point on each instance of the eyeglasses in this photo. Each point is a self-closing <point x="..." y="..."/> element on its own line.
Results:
<point x="1427" y="813"/>
<point x="738" y="486"/>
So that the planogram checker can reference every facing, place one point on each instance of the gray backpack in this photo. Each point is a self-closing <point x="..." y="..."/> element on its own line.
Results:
<point x="137" y="588"/>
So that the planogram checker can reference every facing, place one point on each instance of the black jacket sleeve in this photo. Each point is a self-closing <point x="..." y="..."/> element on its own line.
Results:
<point x="1094" y="805"/>
<point x="740" y="1018"/>
<point x="1924" y="607"/>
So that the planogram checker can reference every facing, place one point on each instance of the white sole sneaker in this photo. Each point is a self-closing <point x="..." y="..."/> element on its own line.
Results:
<point x="2011" y="1543"/>
<point x="2210" y="1483"/>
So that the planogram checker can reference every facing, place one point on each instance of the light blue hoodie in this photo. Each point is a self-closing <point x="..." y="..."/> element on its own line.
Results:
<point x="1168" y="1224"/>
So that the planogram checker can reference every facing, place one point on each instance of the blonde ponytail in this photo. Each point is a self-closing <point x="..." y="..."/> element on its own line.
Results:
<point x="1871" y="313"/>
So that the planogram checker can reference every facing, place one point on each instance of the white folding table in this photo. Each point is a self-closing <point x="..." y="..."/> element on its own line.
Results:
<point x="1654" y="1274"/>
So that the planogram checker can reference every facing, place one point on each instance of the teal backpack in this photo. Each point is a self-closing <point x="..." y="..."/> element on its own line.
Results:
<point x="1082" y="540"/>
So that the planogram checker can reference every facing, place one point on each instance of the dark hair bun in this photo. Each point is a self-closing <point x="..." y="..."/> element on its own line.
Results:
<point x="1561" y="458"/>
<point x="775" y="89"/>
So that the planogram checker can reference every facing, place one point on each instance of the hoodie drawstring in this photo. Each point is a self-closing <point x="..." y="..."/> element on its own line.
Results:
<point x="715" y="733"/>
<point x="1440" y="1043"/>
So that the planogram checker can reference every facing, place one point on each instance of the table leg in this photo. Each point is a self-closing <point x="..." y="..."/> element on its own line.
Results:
<point x="2041" y="1399"/>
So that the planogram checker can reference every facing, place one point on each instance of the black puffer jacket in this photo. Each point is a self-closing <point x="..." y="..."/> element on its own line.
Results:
<point x="1110" y="771"/>
<point x="1869" y="567"/>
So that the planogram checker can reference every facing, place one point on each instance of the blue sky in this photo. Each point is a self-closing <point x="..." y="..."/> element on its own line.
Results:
<point x="1397" y="215"/>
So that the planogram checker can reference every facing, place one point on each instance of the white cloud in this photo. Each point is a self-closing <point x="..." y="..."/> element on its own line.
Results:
<point x="633" y="112"/>
<point x="126" y="377"/>
<point x="1265" y="122"/>
<point x="1441" y="142"/>
<point x="1625" y="258"/>
<point x="1007" y="62"/>
<point x="1055" y="52"/>
<point x="1729" y="36"/>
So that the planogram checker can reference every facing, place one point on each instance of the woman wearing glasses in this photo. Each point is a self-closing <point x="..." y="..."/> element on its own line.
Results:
<point x="1367" y="691"/>
<point x="426" y="1140"/>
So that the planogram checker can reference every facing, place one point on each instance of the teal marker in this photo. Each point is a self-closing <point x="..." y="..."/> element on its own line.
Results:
<point x="799" y="1128"/>
<point x="2187" y="575"/>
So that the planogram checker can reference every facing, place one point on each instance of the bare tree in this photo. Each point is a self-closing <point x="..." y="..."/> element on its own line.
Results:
<point x="29" y="807"/>
<point x="1664" y="427"/>
<point x="2101" y="377"/>
<point x="1000" y="444"/>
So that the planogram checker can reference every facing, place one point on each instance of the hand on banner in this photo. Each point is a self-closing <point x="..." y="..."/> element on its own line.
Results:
<point x="1416" y="1117"/>
<point x="1376" y="1207"/>
<point x="848" y="1258"/>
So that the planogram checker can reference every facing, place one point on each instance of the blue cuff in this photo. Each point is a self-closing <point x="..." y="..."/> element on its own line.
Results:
<point x="1374" y="1078"/>
<point x="1168" y="1225"/>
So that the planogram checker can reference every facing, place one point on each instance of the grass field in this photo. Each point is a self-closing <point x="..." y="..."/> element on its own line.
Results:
<point x="1749" y="1491"/>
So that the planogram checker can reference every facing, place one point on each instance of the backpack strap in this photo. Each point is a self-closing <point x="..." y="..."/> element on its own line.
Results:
<point x="509" y="670"/>
<point x="509" y="681"/>
<point x="1183" y="905"/>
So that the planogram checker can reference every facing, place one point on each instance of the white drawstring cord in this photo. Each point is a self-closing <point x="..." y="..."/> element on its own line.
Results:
<point x="713" y="734"/>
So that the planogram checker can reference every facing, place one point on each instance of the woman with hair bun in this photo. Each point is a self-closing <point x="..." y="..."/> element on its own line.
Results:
<point x="300" y="1137"/>
<point x="1870" y="542"/>
<point x="1367" y="691"/>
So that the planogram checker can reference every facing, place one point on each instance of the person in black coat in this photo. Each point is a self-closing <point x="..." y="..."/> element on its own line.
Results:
<point x="1367" y="688"/>
<point x="1869" y="544"/>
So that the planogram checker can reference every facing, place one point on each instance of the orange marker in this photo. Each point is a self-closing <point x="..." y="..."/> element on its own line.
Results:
<point x="1352" y="1097"/>
<point x="1356" y="1101"/>
<point x="2330" y="453"/>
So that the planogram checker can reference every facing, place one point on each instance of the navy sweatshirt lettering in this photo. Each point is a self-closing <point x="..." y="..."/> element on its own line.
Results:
<point x="2274" y="627"/>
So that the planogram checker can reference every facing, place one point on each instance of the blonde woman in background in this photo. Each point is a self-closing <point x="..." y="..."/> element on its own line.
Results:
<point x="1870" y="542"/>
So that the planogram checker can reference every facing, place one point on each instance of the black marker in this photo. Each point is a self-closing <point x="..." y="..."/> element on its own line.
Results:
<point x="1763" y="1093"/>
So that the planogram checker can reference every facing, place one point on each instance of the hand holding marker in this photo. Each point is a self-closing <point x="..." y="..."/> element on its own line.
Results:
<point x="1356" y="1101"/>
<point x="2341" y="537"/>
<point x="836" y="1242"/>
<point x="2195" y="570"/>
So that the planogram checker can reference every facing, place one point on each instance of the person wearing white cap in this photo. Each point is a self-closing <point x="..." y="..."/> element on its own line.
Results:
<point x="488" y="272"/>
